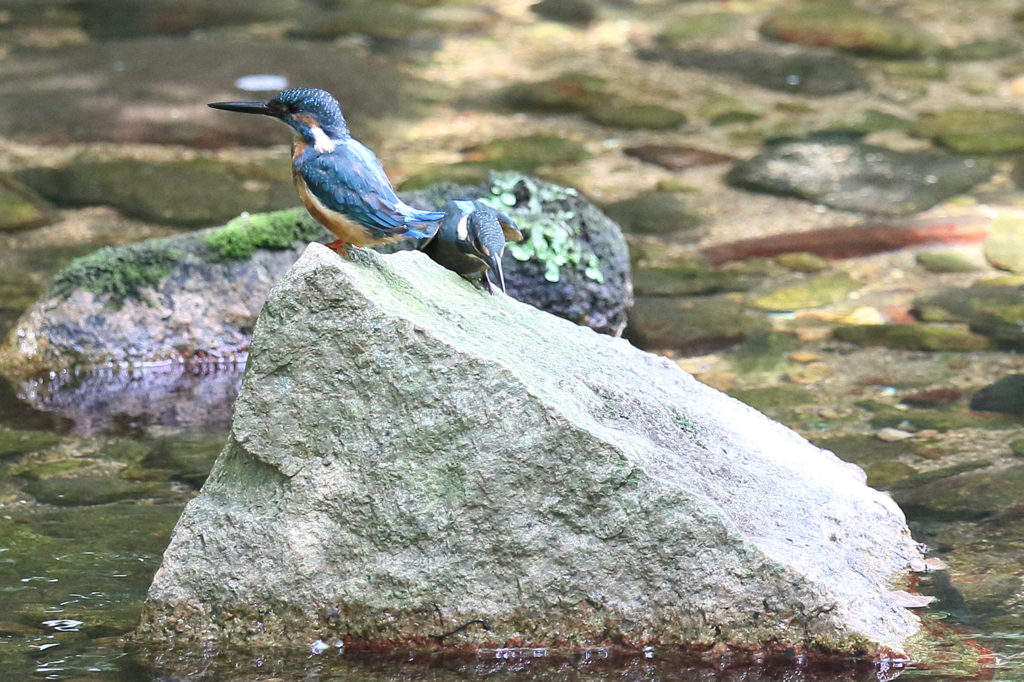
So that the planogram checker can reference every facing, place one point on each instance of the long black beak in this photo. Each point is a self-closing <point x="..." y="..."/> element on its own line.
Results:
<point x="495" y="261"/>
<point x="247" y="108"/>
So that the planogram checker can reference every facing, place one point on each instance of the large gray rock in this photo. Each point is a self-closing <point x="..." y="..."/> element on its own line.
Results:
<point x="409" y="454"/>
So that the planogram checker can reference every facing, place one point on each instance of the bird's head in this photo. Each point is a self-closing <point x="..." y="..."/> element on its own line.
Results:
<point x="311" y="112"/>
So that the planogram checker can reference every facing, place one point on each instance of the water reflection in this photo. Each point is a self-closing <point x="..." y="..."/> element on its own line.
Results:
<point x="125" y="401"/>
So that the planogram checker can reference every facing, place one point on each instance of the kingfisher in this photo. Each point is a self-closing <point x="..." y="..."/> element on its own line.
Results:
<point x="472" y="239"/>
<point x="341" y="182"/>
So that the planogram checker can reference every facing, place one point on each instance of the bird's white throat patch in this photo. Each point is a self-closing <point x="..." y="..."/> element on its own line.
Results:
<point x="321" y="142"/>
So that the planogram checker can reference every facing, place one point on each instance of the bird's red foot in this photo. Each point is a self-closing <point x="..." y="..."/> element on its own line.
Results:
<point x="339" y="246"/>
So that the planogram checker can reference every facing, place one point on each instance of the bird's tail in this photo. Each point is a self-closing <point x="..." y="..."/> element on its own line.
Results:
<point x="422" y="224"/>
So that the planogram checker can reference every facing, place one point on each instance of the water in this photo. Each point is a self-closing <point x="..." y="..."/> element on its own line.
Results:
<point x="95" y="468"/>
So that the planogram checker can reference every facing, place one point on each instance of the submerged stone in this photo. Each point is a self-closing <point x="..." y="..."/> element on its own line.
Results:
<point x="566" y="11"/>
<point x="854" y="176"/>
<point x="14" y="442"/>
<point x="1005" y="395"/>
<point x="359" y="503"/>
<point x="814" y="292"/>
<point x="968" y="496"/>
<point x="945" y="262"/>
<point x="685" y="30"/>
<point x="21" y="208"/>
<point x="975" y="131"/>
<point x="527" y="153"/>
<point x="993" y="310"/>
<point x="620" y="113"/>
<point x="657" y="213"/>
<point x="807" y="74"/>
<point x="923" y="337"/>
<point x="845" y="26"/>
<point x="692" y="325"/>
<point x="87" y="490"/>
<point x="982" y="49"/>
<point x="1004" y="248"/>
<point x="199" y="192"/>
<point x="570" y="91"/>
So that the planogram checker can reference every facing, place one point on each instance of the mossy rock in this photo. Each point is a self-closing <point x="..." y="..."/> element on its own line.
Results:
<point x="685" y="30"/>
<point x="774" y="398"/>
<point x="461" y="173"/>
<point x="619" y="113"/>
<point x="695" y="279"/>
<point x="1017" y="447"/>
<point x="21" y="208"/>
<point x="18" y="442"/>
<point x="41" y="471"/>
<point x="873" y="120"/>
<point x="926" y="70"/>
<point x="982" y="50"/>
<point x="723" y="110"/>
<point x="864" y="450"/>
<point x="192" y="193"/>
<point x="943" y="420"/>
<point x="884" y="475"/>
<point x="1005" y="395"/>
<point x="765" y="351"/>
<point x="568" y="92"/>
<point x="814" y="292"/>
<point x="975" y="131"/>
<point x="692" y="325"/>
<point x="922" y="337"/>
<point x="993" y="310"/>
<point x="945" y="262"/>
<point x="526" y="154"/>
<point x="969" y="496"/>
<point x="89" y="490"/>
<point x="380" y="19"/>
<point x="844" y="26"/>
<point x="801" y="261"/>
<point x="1004" y="247"/>
<point x="566" y="11"/>
<point x="241" y="237"/>
<point x="655" y="213"/>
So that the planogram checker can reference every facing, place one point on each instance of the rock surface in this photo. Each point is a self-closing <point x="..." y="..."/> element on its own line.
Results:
<point x="410" y="454"/>
<point x="853" y="176"/>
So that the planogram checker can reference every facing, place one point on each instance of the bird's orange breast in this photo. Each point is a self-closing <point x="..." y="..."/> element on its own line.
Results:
<point x="344" y="228"/>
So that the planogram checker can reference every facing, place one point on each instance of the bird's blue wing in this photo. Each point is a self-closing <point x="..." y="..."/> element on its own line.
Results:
<point x="351" y="181"/>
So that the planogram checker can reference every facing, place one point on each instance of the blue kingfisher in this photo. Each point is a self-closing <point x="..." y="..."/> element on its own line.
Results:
<point x="341" y="182"/>
<point x="472" y="239"/>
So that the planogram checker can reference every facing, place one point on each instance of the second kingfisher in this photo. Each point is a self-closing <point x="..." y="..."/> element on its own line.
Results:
<point x="341" y="182"/>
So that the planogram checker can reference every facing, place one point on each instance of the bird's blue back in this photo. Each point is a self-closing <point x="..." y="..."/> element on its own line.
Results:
<point x="351" y="181"/>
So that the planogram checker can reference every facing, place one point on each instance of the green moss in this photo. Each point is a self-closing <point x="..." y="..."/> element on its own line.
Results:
<point x="975" y="131"/>
<point x="278" y="230"/>
<point x="616" y="113"/>
<point x="814" y="292"/>
<point x="552" y="240"/>
<point x="943" y="420"/>
<point x="120" y="272"/>
<point x="695" y="27"/>
<point x="948" y="261"/>
<point x="801" y="261"/>
<point x="529" y="152"/>
<point x="923" y="337"/>
<point x="13" y="442"/>
<point x="45" y="470"/>
<point x="774" y="397"/>
<point x="1017" y="447"/>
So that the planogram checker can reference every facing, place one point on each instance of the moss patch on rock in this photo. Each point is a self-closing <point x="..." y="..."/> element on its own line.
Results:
<point x="922" y="337"/>
<point x="844" y="26"/>
<point x="120" y="272"/>
<point x="814" y="292"/>
<point x="240" y="238"/>
<point x="975" y="131"/>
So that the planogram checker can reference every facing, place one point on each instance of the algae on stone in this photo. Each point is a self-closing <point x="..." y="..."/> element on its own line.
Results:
<point x="240" y="238"/>
<point x="922" y="337"/>
<point x="118" y="272"/>
<point x="847" y="27"/>
<point x="975" y="131"/>
<point x="814" y="292"/>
